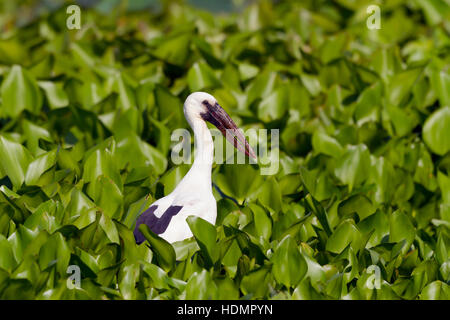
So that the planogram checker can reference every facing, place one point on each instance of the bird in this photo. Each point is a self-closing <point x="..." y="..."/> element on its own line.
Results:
<point x="193" y="196"/>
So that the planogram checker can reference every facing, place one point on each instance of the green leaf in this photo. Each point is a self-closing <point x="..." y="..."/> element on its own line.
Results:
<point x="270" y="194"/>
<point x="201" y="287"/>
<point x="239" y="181"/>
<point x="261" y="87"/>
<point x="263" y="223"/>
<point x="345" y="234"/>
<point x="201" y="76"/>
<point x="108" y="197"/>
<point x="174" y="49"/>
<point x="14" y="160"/>
<point x="128" y="277"/>
<point x="369" y="104"/>
<point x="435" y="127"/>
<point x="444" y="185"/>
<point x="435" y="10"/>
<point x="110" y="229"/>
<point x="133" y="151"/>
<point x="205" y="234"/>
<point x="38" y="166"/>
<point x="7" y="261"/>
<point x="400" y="86"/>
<point x="55" y="251"/>
<point x="323" y="143"/>
<point x="401" y="228"/>
<point x="274" y="106"/>
<point x="289" y="266"/>
<point x="98" y="163"/>
<point x="256" y="283"/>
<point x="312" y="83"/>
<point x="353" y="167"/>
<point x="20" y="240"/>
<point x="164" y="252"/>
<point x="20" y="92"/>
<point x="436" y="290"/>
<point x="55" y="93"/>
<point x="440" y="83"/>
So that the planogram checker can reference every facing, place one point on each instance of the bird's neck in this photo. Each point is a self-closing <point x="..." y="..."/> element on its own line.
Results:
<point x="204" y="149"/>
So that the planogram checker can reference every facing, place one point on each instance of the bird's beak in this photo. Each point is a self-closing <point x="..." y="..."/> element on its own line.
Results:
<point x="218" y="117"/>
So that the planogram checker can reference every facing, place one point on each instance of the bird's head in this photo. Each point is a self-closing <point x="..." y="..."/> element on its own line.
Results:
<point x="202" y="105"/>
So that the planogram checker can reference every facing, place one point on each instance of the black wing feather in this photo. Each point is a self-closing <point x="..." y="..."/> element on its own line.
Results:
<point x="157" y="225"/>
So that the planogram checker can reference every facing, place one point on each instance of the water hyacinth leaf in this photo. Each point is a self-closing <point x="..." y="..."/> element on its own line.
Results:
<point x="14" y="160"/>
<point x="311" y="83"/>
<point x="201" y="76"/>
<point x="164" y="252"/>
<point x="201" y="286"/>
<point x="311" y="204"/>
<point x="440" y="82"/>
<point x="55" y="251"/>
<point x="159" y="278"/>
<point x="239" y="181"/>
<point x="436" y="290"/>
<point x="207" y="51"/>
<point x="110" y="229"/>
<point x="444" y="185"/>
<point x="100" y="163"/>
<point x="175" y="49"/>
<point x="256" y="283"/>
<point x="263" y="223"/>
<point x="135" y="152"/>
<point x="261" y="87"/>
<point x="359" y="204"/>
<point x="108" y="197"/>
<point x="400" y="85"/>
<point x="7" y="260"/>
<point x="434" y="10"/>
<point x="38" y="166"/>
<point x="129" y="275"/>
<point x="401" y="228"/>
<point x="44" y="217"/>
<point x="368" y="104"/>
<point x="55" y="94"/>
<point x="325" y="144"/>
<point x="34" y="134"/>
<point x="205" y="234"/>
<point x="270" y="194"/>
<point x="434" y="128"/>
<point x="122" y="87"/>
<point x="20" y="240"/>
<point x="345" y="234"/>
<point x="353" y="167"/>
<point x="289" y="266"/>
<point x="169" y="107"/>
<point x="403" y="120"/>
<point x="227" y="290"/>
<point x="19" y="91"/>
<point x="274" y="106"/>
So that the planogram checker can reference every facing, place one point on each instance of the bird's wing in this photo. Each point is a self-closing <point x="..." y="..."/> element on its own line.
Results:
<point x="160" y="215"/>
<point x="157" y="217"/>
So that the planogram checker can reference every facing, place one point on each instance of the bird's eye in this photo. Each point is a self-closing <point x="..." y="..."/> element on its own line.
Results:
<point x="208" y="104"/>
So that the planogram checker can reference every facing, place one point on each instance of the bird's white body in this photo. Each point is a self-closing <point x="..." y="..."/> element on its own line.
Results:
<point x="193" y="195"/>
<point x="194" y="192"/>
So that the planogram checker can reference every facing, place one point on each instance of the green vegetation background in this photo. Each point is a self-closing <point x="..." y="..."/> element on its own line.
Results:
<point x="364" y="178"/>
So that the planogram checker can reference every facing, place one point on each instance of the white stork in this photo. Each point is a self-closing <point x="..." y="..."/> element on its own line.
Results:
<point x="193" y="195"/>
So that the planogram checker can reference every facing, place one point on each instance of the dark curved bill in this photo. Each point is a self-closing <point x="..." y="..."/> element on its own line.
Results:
<point x="219" y="118"/>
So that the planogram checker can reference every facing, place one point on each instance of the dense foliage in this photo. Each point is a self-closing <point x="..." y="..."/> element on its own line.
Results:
<point x="363" y="188"/>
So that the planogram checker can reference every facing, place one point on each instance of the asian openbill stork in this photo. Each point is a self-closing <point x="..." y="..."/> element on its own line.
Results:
<point x="193" y="195"/>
